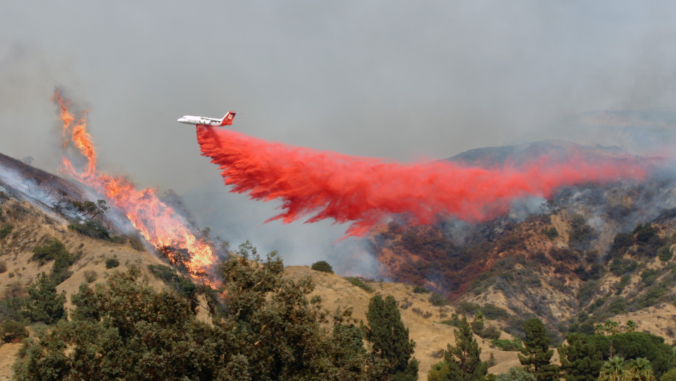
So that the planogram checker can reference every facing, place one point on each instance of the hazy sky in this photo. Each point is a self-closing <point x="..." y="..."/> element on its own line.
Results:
<point x="375" y="78"/>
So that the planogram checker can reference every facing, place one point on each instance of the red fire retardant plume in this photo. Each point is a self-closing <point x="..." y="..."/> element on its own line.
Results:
<point x="364" y="191"/>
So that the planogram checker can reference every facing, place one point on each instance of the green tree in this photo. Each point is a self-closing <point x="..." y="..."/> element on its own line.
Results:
<point x="669" y="376"/>
<point x="271" y="331"/>
<point x="580" y="359"/>
<point x="462" y="362"/>
<point x="616" y="369"/>
<point x="390" y="338"/>
<point x="44" y="303"/>
<point x="631" y="326"/>
<point x="515" y="374"/>
<point x="634" y="345"/>
<point x="536" y="354"/>
<point x="613" y="370"/>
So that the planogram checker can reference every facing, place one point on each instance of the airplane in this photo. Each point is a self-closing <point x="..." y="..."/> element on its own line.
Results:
<point x="203" y="121"/>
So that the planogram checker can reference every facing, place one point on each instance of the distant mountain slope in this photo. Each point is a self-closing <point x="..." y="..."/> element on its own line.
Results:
<point x="555" y="150"/>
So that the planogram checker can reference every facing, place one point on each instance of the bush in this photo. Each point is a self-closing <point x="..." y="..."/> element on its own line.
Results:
<point x="322" y="266"/>
<point x="624" y="281"/>
<point x="617" y="306"/>
<point x="644" y="233"/>
<point x="52" y="249"/>
<point x="467" y="308"/>
<point x="437" y="300"/>
<point x="649" y="276"/>
<point x="508" y="345"/>
<point x="665" y="254"/>
<point x="90" y="276"/>
<point x="491" y="312"/>
<point x="490" y="333"/>
<point x="515" y="374"/>
<point x="6" y="230"/>
<point x="420" y="290"/>
<point x="621" y="242"/>
<point x="91" y="228"/>
<point x="580" y="233"/>
<point x="182" y="285"/>
<point x="454" y="321"/>
<point x="13" y="332"/>
<point x="112" y="263"/>
<point x="55" y="250"/>
<point x="551" y="233"/>
<point x="360" y="283"/>
<point x="586" y="292"/>
<point x="3" y="267"/>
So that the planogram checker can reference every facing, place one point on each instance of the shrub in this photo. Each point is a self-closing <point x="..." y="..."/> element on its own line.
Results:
<point x="649" y="276"/>
<point x="182" y="285"/>
<point x="322" y="266"/>
<point x="491" y="312"/>
<point x="15" y="290"/>
<point x="3" y="267"/>
<point x="586" y="292"/>
<point x="621" y="242"/>
<point x="420" y="290"/>
<point x="665" y="254"/>
<point x="90" y="276"/>
<point x="617" y="306"/>
<point x="551" y="233"/>
<point x="515" y="374"/>
<point x="644" y="233"/>
<point x="13" y="332"/>
<point x="624" y="281"/>
<point x="112" y="263"/>
<point x="91" y="228"/>
<point x="508" y="345"/>
<point x="467" y="308"/>
<point x="360" y="283"/>
<point x="580" y="233"/>
<point x="6" y="230"/>
<point x="454" y="321"/>
<point x="50" y="251"/>
<point x="438" y="300"/>
<point x="55" y="250"/>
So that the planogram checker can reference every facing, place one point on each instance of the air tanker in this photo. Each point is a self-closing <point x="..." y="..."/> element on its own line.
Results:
<point x="203" y="121"/>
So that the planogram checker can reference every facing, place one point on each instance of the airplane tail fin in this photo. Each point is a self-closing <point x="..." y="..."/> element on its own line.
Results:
<point x="227" y="119"/>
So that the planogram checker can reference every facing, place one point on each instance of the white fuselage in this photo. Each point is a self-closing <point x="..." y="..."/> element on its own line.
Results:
<point x="202" y="121"/>
<point x="189" y="119"/>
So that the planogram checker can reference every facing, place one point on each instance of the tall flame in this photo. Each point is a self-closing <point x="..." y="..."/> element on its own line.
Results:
<point x="154" y="220"/>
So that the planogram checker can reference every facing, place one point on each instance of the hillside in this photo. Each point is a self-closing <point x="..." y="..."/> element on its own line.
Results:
<point x="588" y="254"/>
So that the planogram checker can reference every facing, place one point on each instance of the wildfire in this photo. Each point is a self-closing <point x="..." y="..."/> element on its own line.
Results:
<point x="154" y="220"/>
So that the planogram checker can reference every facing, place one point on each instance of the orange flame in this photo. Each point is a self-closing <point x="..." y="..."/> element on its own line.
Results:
<point x="154" y="220"/>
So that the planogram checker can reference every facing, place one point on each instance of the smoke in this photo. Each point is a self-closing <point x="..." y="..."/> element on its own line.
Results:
<point x="363" y="191"/>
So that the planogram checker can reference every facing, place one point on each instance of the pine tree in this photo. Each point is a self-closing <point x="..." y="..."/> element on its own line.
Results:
<point x="462" y="362"/>
<point x="580" y="359"/>
<point x="45" y="304"/>
<point x="390" y="339"/>
<point x="536" y="353"/>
